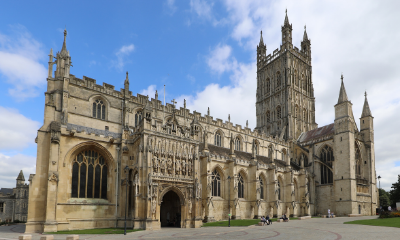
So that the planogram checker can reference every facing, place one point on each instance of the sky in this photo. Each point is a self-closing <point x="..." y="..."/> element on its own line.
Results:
<point x="204" y="51"/>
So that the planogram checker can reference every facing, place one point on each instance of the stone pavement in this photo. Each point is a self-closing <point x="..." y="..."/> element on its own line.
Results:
<point x="315" y="228"/>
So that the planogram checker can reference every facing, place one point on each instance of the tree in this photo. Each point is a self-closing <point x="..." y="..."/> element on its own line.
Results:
<point x="384" y="198"/>
<point x="395" y="192"/>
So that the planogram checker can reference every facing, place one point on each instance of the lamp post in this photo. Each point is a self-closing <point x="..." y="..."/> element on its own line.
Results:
<point x="379" y="179"/>
<point x="126" y="192"/>
<point x="229" y="201"/>
<point x="379" y="193"/>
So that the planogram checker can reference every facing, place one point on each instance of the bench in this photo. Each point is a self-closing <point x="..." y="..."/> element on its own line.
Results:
<point x="260" y="224"/>
<point x="281" y="220"/>
<point x="304" y="217"/>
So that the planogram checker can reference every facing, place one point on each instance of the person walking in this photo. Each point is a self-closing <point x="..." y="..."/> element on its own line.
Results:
<point x="329" y="213"/>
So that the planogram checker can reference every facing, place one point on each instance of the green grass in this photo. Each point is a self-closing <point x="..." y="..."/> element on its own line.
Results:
<point x="385" y="222"/>
<point x="238" y="223"/>
<point x="96" y="231"/>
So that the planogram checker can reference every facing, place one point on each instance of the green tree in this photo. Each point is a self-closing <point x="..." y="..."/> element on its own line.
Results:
<point x="395" y="192"/>
<point x="384" y="198"/>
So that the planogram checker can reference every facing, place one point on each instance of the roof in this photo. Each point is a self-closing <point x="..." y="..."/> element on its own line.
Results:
<point x="317" y="133"/>
<point x="5" y="191"/>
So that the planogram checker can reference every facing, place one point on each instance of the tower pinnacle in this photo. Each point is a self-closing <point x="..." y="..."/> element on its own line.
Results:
<point x="366" y="112"/>
<point x="64" y="46"/>
<point x="342" y="93"/>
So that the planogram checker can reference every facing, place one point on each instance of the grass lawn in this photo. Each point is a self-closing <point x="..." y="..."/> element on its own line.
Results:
<point x="96" y="231"/>
<point x="385" y="222"/>
<point x="238" y="223"/>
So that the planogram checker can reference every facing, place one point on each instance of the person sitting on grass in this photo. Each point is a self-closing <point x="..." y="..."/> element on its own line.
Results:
<point x="268" y="220"/>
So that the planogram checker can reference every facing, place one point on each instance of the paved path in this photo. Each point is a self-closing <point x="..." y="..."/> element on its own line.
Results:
<point x="315" y="228"/>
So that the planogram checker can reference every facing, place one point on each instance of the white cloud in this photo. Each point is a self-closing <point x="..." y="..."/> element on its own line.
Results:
<point x="170" y="6"/>
<point x="20" y="56"/>
<point x="122" y="54"/>
<point x="220" y="59"/>
<point x="16" y="131"/>
<point x="10" y="166"/>
<point x="356" y="38"/>
<point x="150" y="91"/>
<point x="204" y="10"/>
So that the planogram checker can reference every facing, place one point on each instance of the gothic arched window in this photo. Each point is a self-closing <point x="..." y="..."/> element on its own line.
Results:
<point x="305" y="159"/>
<point x="261" y="189"/>
<point x="240" y="186"/>
<point x="278" y="80"/>
<point x="99" y="109"/>
<point x="268" y="116"/>
<point x="217" y="140"/>
<point x="237" y="144"/>
<point x="138" y="118"/>
<point x="327" y="159"/>
<point x="268" y="86"/>
<point x="216" y="184"/>
<point x="279" y="190"/>
<point x="358" y="162"/>
<point x="89" y="175"/>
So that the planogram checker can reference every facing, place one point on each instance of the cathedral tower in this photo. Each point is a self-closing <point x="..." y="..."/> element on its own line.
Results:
<point x="285" y="95"/>
<point x="344" y="151"/>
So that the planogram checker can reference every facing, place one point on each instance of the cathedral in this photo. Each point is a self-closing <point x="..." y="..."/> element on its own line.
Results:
<point x="104" y="154"/>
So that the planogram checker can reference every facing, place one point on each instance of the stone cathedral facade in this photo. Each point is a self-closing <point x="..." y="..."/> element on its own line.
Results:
<point x="104" y="153"/>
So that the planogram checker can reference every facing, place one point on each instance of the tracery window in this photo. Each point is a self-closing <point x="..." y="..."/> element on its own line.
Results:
<point x="138" y="118"/>
<point x="278" y="80"/>
<point x="268" y="86"/>
<point x="217" y="139"/>
<point x="268" y="116"/>
<point x="89" y="175"/>
<point x="1" y="207"/>
<point x="240" y="186"/>
<point x="327" y="159"/>
<point x="279" y="112"/>
<point x="99" y="109"/>
<point x="216" y="184"/>
<point x="237" y="144"/>
<point x="261" y="189"/>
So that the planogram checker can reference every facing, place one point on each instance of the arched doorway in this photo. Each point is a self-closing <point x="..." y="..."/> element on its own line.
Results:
<point x="170" y="213"/>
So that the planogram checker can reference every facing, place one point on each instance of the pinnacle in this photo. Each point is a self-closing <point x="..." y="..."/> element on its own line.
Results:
<point x="21" y="176"/>
<point x="286" y="23"/>
<point x="366" y="112"/>
<point x="64" y="46"/>
<point x="305" y="37"/>
<point x="342" y="93"/>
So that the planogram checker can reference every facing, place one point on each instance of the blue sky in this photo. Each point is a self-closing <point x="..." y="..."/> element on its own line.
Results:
<point x="203" y="51"/>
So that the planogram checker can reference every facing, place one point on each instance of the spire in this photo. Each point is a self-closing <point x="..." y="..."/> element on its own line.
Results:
<point x="64" y="47"/>
<point x="286" y="23"/>
<point x="305" y="37"/>
<point x="366" y="112"/>
<point x="127" y="78"/>
<point x="261" y="40"/>
<point x="342" y="93"/>
<point x="21" y="176"/>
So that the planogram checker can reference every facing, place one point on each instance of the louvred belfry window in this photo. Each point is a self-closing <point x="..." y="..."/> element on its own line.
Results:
<point x="89" y="175"/>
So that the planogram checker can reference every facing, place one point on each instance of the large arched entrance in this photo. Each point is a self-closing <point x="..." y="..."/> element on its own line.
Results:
<point x="170" y="212"/>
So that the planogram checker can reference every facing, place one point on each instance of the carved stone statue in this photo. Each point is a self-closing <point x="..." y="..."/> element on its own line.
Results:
<point x="169" y="165"/>
<point x="190" y="205"/>
<point x="153" y="206"/>
<point x="155" y="164"/>
<point x="178" y="166"/>
<point x="190" y="168"/>
<point x="183" y="167"/>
